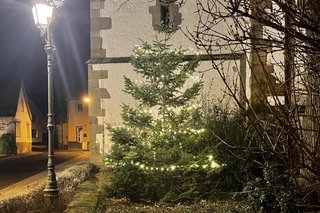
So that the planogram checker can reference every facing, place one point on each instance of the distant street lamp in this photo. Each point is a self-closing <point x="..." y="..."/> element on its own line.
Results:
<point x="87" y="100"/>
<point x="43" y="15"/>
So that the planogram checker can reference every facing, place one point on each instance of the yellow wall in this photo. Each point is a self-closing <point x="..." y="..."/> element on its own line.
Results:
<point x="77" y="118"/>
<point x="23" y="124"/>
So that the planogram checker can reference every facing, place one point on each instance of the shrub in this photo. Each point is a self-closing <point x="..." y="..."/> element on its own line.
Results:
<point x="8" y="144"/>
<point x="273" y="192"/>
<point x="226" y="138"/>
<point x="128" y="181"/>
<point x="233" y="145"/>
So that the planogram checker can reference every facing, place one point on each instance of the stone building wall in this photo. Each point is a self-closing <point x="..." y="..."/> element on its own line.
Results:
<point x="7" y="125"/>
<point x="115" y="29"/>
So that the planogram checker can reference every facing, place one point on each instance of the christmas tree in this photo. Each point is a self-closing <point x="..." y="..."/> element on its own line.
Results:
<point x="163" y="131"/>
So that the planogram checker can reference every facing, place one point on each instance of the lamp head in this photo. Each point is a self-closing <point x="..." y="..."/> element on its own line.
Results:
<point x="43" y="11"/>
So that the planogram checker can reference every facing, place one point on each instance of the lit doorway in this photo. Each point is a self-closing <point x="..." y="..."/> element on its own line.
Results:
<point x="79" y="129"/>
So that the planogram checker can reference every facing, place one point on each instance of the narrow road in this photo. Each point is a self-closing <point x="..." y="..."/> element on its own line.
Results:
<point x="17" y="168"/>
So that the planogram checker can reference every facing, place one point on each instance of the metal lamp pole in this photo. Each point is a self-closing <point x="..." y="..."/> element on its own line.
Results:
<point x="51" y="188"/>
<point x="42" y="13"/>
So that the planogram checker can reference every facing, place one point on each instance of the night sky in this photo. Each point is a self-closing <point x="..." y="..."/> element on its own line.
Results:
<point x="22" y="52"/>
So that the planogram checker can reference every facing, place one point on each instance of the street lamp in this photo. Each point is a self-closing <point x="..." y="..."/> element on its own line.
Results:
<point x="87" y="100"/>
<point x="43" y="14"/>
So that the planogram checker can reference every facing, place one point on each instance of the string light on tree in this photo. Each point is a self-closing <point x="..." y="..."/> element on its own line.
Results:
<point x="159" y="134"/>
<point x="211" y="164"/>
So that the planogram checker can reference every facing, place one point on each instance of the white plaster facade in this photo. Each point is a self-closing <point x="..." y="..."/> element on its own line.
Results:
<point x="115" y="29"/>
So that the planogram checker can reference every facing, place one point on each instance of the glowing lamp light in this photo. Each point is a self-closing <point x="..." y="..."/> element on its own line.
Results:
<point x="86" y="99"/>
<point x="42" y="13"/>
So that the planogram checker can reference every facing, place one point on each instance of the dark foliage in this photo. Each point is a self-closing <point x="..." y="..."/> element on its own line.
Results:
<point x="227" y="138"/>
<point x="8" y="144"/>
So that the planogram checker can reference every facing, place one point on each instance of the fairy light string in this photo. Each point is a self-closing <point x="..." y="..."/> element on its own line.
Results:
<point x="208" y="165"/>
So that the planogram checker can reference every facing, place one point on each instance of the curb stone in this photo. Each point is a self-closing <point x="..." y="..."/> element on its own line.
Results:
<point x="86" y="198"/>
<point x="25" y="186"/>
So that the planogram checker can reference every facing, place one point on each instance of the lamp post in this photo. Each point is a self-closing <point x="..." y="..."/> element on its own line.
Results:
<point x="43" y="14"/>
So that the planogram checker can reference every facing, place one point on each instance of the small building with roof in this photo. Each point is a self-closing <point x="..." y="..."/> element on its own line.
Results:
<point x="78" y="122"/>
<point x="15" y="116"/>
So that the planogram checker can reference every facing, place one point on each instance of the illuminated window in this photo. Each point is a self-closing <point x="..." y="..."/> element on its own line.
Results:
<point x="79" y="108"/>
<point x="79" y="132"/>
<point x="18" y="129"/>
<point x="34" y="133"/>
